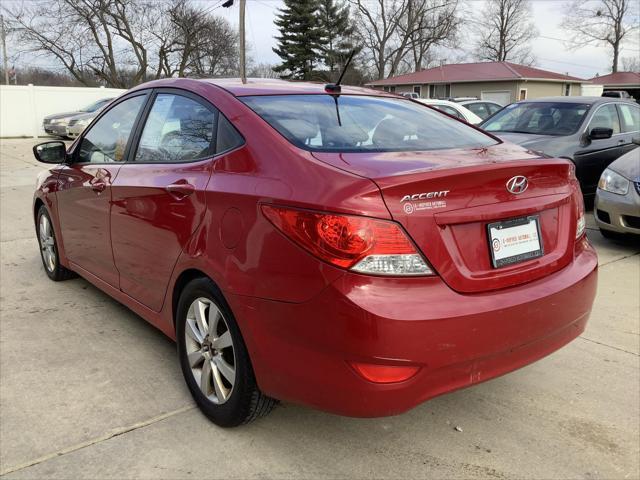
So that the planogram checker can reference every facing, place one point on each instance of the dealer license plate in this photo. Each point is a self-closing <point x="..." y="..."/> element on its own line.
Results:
<point x="513" y="241"/>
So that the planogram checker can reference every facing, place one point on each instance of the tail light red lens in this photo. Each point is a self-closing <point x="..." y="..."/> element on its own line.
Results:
<point x="366" y="245"/>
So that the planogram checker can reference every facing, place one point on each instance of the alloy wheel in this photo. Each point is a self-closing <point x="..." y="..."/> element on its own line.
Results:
<point x="210" y="351"/>
<point x="47" y="243"/>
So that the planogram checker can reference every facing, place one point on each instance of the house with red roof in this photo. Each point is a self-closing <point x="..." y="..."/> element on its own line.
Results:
<point x="627" y="81"/>
<point x="501" y="82"/>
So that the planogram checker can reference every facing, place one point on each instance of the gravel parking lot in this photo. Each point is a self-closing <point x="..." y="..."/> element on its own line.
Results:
<point x="90" y="390"/>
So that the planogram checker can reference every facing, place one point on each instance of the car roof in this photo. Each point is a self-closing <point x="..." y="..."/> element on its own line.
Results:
<point x="435" y="101"/>
<point x="263" y="86"/>
<point x="466" y="102"/>
<point x="271" y="86"/>
<point x="589" y="100"/>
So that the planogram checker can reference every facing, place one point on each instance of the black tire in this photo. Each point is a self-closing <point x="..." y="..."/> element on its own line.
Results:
<point x="246" y="402"/>
<point x="54" y="270"/>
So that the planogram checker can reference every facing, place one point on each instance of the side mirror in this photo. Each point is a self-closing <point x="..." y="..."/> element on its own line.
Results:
<point x="50" y="152"/>
<point x="599" y="133"/>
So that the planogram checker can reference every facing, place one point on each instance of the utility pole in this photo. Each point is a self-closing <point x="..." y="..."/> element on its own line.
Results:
<point x="243" y="65"/>
<point x="3" y="34"/>
<point x="243" y="61"/>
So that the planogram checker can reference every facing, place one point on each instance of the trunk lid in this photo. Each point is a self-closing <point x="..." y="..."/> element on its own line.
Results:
<point x="446" y="199"/>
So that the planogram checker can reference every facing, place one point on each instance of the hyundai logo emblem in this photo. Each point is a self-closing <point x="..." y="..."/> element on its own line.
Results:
<point x="517" y="184"/>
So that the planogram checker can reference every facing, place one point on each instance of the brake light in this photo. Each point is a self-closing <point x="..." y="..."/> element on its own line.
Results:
<point x="361" y="244"/>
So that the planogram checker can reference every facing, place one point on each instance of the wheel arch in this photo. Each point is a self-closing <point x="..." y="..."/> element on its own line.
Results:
<point x="36" y="207"/>
<point x="183" y="279"/>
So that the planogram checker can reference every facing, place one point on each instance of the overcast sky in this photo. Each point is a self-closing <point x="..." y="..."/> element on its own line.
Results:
<point x="549" y="48"/>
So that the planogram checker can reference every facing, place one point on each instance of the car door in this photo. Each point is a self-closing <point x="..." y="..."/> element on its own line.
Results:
<point x="630" y="124"/>
<point x="84" y="195"/>
<point x="593" y="156"/>
<point x="159" y="195"/>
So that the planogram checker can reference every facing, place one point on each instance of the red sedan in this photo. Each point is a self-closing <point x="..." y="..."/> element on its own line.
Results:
<point x="346" y="249"/>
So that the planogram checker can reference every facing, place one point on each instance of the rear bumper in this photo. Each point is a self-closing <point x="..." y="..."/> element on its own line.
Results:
<point x="301" y="352"/>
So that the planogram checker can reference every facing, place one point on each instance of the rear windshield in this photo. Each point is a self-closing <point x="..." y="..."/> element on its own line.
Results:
<point x="349" y="123"/>
<point x="538" y="118"/>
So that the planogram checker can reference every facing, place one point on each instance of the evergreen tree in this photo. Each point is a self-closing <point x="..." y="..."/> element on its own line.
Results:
<point x="299" y="43"/>
<point x="337" y="32"/>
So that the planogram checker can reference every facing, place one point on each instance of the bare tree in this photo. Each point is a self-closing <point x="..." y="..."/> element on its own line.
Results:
<point x="437" y="24"/>
<point x="262" y="70"/>
<point x="121" y="43"/>
<point x="601" y="22"/>
<point x="631" y="64"/>
<point x="377" y="23"/>
<point x="505" y="31"/>
<point x="397" y="35"/>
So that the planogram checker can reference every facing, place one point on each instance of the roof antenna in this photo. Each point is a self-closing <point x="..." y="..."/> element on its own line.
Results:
<point x="335" y="87"/>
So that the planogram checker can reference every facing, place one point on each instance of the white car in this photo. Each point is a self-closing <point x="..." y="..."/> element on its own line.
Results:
<point x="453" y="109"/>
<point x="483" y="108"/>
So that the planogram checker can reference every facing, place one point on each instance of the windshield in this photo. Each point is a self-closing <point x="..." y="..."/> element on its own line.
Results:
<point x="538" y="118"/>
<point x="95" y="105"/>
<point x="347" y="123"/>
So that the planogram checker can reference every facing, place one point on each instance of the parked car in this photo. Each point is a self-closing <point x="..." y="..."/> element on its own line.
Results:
<point x="453" y="109"/>
<point x="57" y="123"/>
<point x="482" y="108"/>
<point x="78" y="123"/>
<point x="590" y="131"/>
<point x="617" y="204"/>
<point x="410" y="95"/>
<point x="337" y="247"/>
<point x="616" y="94"/>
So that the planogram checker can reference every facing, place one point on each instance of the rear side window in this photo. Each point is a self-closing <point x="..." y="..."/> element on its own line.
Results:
<point x="107" y="140"/>
<point x="354" y="123"/>
<point x="228" y="137"/>
<point x="630" y="116"/>
<point x="178" y="129"/>
<point x="479" y="109"/>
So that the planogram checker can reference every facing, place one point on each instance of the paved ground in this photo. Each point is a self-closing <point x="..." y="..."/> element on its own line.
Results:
<point x="89" y="390"/>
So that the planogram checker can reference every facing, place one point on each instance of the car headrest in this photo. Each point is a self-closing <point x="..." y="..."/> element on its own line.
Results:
<point x="300" y="129"/>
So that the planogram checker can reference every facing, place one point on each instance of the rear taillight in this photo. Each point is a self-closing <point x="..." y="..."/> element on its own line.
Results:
<point x="580" y="226"/>
<point x="361" y="244"/>
<point x="581" y="223"/>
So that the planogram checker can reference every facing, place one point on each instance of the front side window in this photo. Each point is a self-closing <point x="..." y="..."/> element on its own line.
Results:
<point x="95" y="106"/>
<point x="538" y="118"/>
<point x="107" y="140"/>
<point x="630" y="116"/>
<point x="177" y="129"/>
<point x="351" y="123"/>
<point x="606" y="117"/>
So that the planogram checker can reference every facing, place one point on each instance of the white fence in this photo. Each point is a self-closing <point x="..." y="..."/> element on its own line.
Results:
<point x="22" y="108"/>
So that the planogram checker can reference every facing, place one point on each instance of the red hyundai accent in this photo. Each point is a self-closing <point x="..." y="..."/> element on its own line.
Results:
<point x="349" y="250"/>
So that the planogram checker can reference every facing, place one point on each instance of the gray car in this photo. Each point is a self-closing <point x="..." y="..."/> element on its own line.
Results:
<point x="57" y="123"/>
<point x="590" y="131"/>
<point x="617" y="205"/>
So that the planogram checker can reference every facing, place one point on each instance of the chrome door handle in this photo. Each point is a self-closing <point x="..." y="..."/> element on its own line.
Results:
<point x="180" y="190"/>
